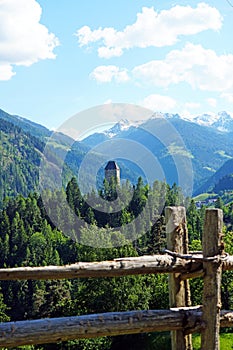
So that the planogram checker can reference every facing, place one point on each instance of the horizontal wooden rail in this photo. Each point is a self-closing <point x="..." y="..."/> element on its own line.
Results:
<point x="96" y="325"/>
<point x="114" y="268"/>
<point x="181" y="319"/>
<point x="54" y="330"/>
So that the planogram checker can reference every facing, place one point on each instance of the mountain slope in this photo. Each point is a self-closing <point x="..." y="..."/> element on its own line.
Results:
<point x="22" y="143"/>
<point x="224" y="184"/>
<point x="224" y="171"/>
<point x="20" y="155"/>
<point x="21" y="152"/>
<point x="207" y="147"/>
<point x="28" y="126"/>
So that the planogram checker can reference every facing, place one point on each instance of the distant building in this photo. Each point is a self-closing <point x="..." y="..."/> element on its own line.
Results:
<point x="112" y="170"/>
<point x="206" y="202"/>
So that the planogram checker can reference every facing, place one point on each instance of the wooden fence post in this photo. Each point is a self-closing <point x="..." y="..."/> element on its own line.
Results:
<point x="212" y="246"/>
<point x="179" y="291"/>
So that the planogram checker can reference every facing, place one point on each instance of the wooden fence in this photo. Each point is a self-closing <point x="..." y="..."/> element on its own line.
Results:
<point x="181" y="319"/>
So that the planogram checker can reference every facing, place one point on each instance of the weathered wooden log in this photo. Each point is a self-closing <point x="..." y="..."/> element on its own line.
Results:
<point x="53" y="330"/>
<point x="114" y="268"/>
<point x="179" y="290"/>
<point x="212" y="247"/>
<point x="108" y="324"/>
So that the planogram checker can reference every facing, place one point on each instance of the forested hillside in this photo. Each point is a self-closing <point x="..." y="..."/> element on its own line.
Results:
<point x="26" y="125"/>
<point x="29" y="238"/>
<point x="221" y="180"/>
<point x="21" y="153"/>
<point x="20" y="158"/>
<point x="22" y="146"/>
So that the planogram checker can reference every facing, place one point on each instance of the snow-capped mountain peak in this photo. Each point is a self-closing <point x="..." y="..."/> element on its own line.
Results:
<point x="224" y="122"/>
<point x="122" y="125"/>
<point x="221" y="121"/>
<point x="206" y="119"/>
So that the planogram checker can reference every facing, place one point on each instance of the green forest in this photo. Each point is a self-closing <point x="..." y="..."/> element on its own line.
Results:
<point x="29" y="238"/>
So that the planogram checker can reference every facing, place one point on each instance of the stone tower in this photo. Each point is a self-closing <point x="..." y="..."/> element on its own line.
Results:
<point x="112" y="170"/>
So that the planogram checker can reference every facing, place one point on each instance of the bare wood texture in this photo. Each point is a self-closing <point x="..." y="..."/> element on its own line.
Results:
<point x="179" y="290"/>
<point x="114" y="268"/>
<point x="212" y="246"/>
<point x="53" y="330"/>
<point x="67" y="328"/>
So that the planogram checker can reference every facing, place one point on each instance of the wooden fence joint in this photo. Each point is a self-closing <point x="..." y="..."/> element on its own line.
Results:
<point x="182" y="319"/>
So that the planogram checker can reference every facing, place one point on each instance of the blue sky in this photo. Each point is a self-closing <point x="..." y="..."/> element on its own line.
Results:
<point x="59" y="57"/>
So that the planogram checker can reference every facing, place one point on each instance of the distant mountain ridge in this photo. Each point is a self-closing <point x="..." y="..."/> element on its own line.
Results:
<point x="22" y="145"/>
<point x="207" y="146"/>
<point x="221" y="121"/>
<point x="26" y="125"/>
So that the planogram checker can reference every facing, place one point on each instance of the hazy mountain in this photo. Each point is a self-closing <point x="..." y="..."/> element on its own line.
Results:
<point x="123" y="126"/>
<point x="221" y="121"/>
<point x="215" y="182"/>
<point x="206" y="146"/>
<point x="224" y="184"/>
<point x="22" y="147"/>
<point x="22" y="143"/>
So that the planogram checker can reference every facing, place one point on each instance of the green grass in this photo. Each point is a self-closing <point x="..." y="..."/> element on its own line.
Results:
<point x="204" y="196"/>
<point x="226" y="341"/>
<point x="173" y="149"/>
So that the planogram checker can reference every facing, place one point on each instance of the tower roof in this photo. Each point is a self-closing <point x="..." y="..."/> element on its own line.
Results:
<point x="112" y="165"/>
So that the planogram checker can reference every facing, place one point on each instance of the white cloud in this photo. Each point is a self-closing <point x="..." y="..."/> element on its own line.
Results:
<point x="106" y="74"/>
<point x="192" y="105"/>
<point x="212" y="102"/>
<point x="23" y="39"/>
<point x="152" y="28"/>
<point x="186" y="110"/>
<point x="199" y="67"/>
<point x="6" y="71"/>
<point x="227" y="96"/>
<point x="156" y="102"/>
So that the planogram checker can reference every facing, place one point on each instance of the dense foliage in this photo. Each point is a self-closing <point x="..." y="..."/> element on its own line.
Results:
<point x="21" y="154"/>
<point x="29" y="238"/>
<point x="20" y="158"/>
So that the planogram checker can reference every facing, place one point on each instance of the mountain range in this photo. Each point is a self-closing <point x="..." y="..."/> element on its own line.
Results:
<point x="206" y="141"/>
<point x="23" y="147"/>
<point x="221" y="121"/>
